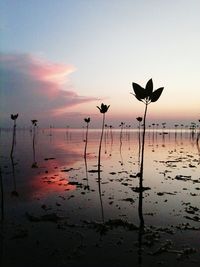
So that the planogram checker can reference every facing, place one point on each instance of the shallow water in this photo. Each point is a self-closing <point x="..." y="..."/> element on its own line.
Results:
<point x="52" y="179"/>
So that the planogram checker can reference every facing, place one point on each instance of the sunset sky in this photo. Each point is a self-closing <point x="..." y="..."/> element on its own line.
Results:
<point x="62" y="58"/>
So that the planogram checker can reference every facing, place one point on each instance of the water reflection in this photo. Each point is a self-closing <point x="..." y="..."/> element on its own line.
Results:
<point x="34" y="164"/>
<point x="140" y="248"/>
<point x="2" y="196"/>
<point x="86" y="173"/>
<point x="100" y="195"/>
<point x="14" y="191"/>
<point x="59" y="180"/>
<point x="198" y="146"/>
<point x="140" y="211"/>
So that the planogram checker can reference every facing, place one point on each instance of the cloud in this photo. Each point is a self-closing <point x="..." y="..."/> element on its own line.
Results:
<point x="34" y="87"/>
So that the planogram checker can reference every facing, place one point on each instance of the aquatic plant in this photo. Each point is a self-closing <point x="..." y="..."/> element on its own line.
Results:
<point x="14" y="118"/>
<point x="103" y="109"/>
<point x="139" y="119"/>
<point x="147" y="96"/>
<point x="198" y="135"/>
<point x="122" y="124"/>
<point x="87" y="120"/>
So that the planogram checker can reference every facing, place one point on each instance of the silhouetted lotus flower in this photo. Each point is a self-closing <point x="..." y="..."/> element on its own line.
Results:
<point x="87" y="120"/>
<point x="14" y="117"/>
<point x="103" y="108"/>
<point x="147" y="95"/>
<point x="139" y="119"/>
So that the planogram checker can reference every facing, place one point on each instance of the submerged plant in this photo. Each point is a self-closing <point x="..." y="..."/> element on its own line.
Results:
<point x="14" y="118"/>
<point x="87" y="120"/>
<point x="103" y="109"/>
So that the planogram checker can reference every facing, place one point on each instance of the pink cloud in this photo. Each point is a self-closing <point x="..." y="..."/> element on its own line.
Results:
<point x="36" y="87"/>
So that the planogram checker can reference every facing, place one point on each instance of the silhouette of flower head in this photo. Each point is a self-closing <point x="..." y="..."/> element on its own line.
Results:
<point x="147" y="95"/>
<point x="14" y="117"/>
<point x="34" y="122"/>
<point x="103" y="108"/>
<point x="87" y="120"/>
<point x="139" y="119"/>
<point x="122" y="124"/>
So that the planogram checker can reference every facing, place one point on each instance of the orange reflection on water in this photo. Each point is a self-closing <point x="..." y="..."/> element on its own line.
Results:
<point x="51" y="180"/>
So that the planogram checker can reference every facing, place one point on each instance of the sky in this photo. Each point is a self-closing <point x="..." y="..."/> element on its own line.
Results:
<point x="61" y="59"/>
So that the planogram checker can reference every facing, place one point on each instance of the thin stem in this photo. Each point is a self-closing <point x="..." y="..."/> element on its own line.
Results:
<point x="143" y="143"/>
<point x="86" y="171"/>
<point x="14" y="192"/>
<point x="13" y="139"/>
<point x="86" y="140"/>
<point x="99" y="164"/>
<point x="34" y="143"/>
<point x="141" y="169"/>
<point x="99" y="156"/>
<point x="139" y="142"/>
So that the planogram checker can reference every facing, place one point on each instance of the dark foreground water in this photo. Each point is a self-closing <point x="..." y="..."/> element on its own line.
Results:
<point x="57" y="211"/>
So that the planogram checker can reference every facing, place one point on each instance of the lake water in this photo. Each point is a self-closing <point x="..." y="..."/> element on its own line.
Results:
<point x="57" y="211"/>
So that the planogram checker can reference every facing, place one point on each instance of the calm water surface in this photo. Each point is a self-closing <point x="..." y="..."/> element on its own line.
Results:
<point x="52" y="178"/>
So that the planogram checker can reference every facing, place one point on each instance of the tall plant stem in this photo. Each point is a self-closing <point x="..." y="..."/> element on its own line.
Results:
<point x="141" y="170"/>
<point x="34" y="143"/>
<point x="86" y="171"/>
<point x="14" y="180"/>
<point x="86" y="140"/>
<point x="100" y="143"/>
<point x="99" y="165"/>
<point x="13" y="139"/>
<point x="139" y="143"/>
<point x="143" y="143"/>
